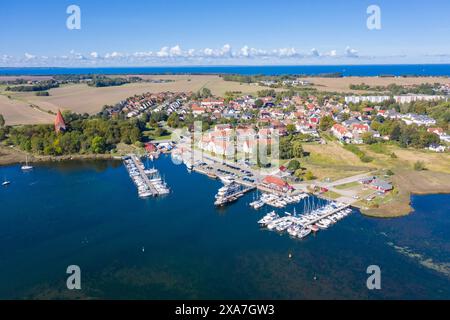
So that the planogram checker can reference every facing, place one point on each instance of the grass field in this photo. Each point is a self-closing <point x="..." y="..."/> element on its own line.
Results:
<point x="19" y="112"/>
<point x="439" y="162"/>
<point x="332" y="161"/>
<point x="348" y="185"/>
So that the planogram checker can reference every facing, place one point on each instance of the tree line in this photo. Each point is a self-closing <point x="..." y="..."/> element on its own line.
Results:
<point x="41" y="86"/>
<point x="84" y="135"/>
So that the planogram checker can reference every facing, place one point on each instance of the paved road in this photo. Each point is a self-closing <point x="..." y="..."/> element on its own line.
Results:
<point x="351" y="179"/>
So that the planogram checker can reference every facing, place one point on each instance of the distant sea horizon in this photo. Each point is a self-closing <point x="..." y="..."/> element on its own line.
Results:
<point x="304" y="70"/>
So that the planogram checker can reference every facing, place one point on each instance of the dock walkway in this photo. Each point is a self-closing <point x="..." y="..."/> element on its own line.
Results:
<point x="143" y="175"/>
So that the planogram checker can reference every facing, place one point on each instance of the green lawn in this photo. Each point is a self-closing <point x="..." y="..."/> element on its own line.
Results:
<point x="331" y="195"/>
<point x="167" y="137"/>
<point x="347" y="185"/>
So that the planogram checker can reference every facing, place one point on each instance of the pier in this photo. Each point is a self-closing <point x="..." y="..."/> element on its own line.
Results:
<point x="146" y="187"/>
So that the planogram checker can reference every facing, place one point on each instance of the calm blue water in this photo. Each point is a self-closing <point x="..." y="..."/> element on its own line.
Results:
<point x="350" y="70"/>
<point x="88" y="214"/>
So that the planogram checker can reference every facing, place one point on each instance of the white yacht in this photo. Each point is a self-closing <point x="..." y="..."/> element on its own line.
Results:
<point x="26" y="167"/>
<point x="303" y="233"/>
<point x="226" y="179"/>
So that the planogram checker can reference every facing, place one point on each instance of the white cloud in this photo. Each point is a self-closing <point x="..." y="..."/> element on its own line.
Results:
<point x="315" y="52"/>
<point x="226" y="50"/>
<point x="175" y="51"/>
<point x="287" y="52"/>
<point x="143" y="54"/>
<point x="352" y="53"/>
<point x="113" y="55"/>
<point x="222" y="55"/>
<point x="191" y="52"/>
<point x="164" y="52"/>
<point x="29" y="56"/>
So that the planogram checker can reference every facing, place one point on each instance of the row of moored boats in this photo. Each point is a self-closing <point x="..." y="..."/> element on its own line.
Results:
<point x="300" y="226"/>
<point x="148" y="181"/>
<point x="277" y="201"/>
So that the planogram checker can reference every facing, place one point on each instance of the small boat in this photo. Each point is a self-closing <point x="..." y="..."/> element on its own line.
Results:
<point x="6" y="183"/>
<point x="189" y="165"/>
<point x="26" y="167"/>
<point x="303" y="233"/>
<point x="321" y="225"/>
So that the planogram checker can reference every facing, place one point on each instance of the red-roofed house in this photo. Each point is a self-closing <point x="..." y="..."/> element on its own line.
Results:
<point x="197" y="110"/>
<point x="276" y="183"/>
<point x="438" y="131"/>
<point x="150" y="147"/>
<point x="341" y="132"/>
<point x="359" y="128"/>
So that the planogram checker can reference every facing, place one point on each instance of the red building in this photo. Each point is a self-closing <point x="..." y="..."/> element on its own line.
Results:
<point x="276" y="183"/>
<point x="60" y="125"/>
<point x="150" y="147"/>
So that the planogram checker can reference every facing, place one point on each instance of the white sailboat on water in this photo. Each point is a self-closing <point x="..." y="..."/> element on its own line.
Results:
<point x="26" y="167"/>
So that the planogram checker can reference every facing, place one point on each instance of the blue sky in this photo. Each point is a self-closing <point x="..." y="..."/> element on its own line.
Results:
<point x="232" y="32"/>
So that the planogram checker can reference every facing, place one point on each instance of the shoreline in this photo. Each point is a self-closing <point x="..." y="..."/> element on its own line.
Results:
<point x="413" y="183"/>
<point x="11" y="156"/>
<point x="399" y="207"/>
<point x="375" y="213"/>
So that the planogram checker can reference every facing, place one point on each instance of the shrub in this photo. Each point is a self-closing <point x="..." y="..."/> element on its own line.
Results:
<point x="42" y="94"/>
<point x="366" y="159"/>
<point x="294" y="165"/>
<point x="309" y="175"/>
<point x="361" y="155"/>
<point x="419" y="166"/>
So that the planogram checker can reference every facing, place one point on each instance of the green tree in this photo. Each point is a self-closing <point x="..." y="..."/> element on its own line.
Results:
<point x="285" y="148"/>
<point x="174" y="120"/>
<point x="294" y="165"/>
<point x="309" y="175"/>
<point x="297" y="149"/>
<point x="291" y="129"/>
<point x="326" y="123"/>
<point x="395" y="133"/>
<point x="259" y="103"/>
<point x="428" y="138"/>
<point x="368" y="138"/>
<point x="2" y="121"/>
<point x="57" y="150"/>
<point x="98" y="145"/>
<point x="37" y="145"/>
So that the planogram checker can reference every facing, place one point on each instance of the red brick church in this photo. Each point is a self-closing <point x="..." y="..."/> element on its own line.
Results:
<point x="60" y="125"/>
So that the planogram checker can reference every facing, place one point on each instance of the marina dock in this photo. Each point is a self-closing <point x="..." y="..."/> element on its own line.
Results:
<point x="326" y="215"/>
<point x="300" y="226"/>
<point x="147" y="187"/>
<point x="230" y="193"/>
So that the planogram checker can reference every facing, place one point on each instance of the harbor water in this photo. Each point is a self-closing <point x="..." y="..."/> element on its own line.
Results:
<point x="180" y="246"/>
